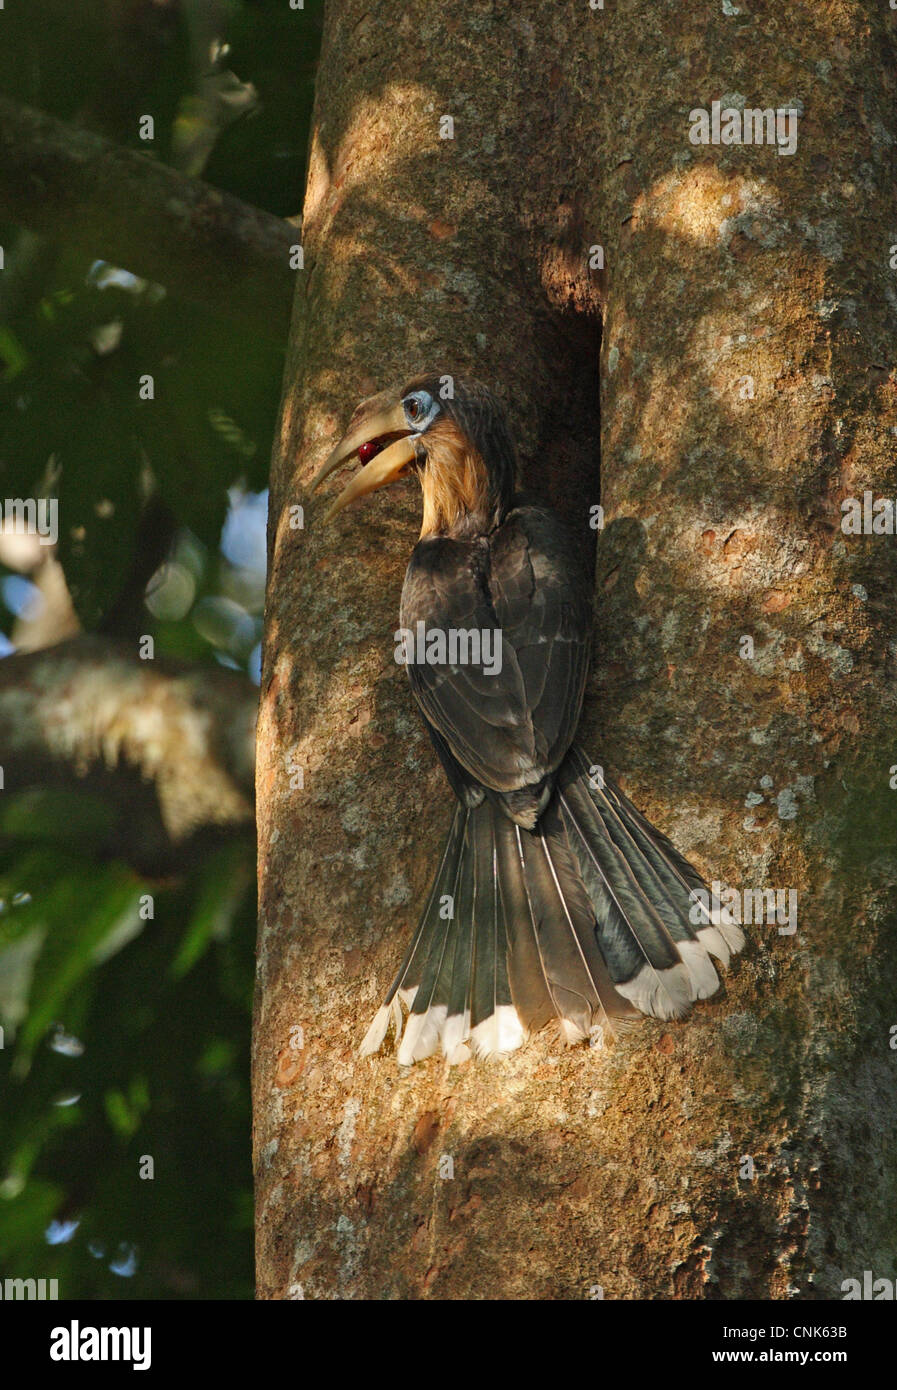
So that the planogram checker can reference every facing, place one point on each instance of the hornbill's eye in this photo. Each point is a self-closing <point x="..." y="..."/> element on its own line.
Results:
<point x="420" y="408"/>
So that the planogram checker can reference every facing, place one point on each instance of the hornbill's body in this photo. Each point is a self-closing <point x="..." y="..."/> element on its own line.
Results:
<point x="554" y="896"/>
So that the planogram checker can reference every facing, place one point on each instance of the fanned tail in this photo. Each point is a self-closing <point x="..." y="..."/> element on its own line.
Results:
<point x="590" y="918"/>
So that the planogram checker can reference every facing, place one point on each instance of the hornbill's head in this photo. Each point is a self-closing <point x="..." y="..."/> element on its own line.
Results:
<point x="452" y="433"/>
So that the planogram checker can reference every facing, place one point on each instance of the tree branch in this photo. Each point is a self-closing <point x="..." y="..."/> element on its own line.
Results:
<point x="200" y="243"/>
<point x="170" y="748"/>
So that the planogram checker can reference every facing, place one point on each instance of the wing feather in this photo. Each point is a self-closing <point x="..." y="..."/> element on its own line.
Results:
<point x="508" y="728"/>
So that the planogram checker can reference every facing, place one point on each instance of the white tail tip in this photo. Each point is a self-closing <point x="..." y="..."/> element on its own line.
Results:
<point x="373" y="1038"/>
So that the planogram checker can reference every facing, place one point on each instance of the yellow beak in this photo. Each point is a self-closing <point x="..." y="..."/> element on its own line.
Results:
<point x="383" y="468"/>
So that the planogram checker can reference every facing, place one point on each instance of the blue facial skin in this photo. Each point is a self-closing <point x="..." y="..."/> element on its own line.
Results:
<point x="420" y="410"/>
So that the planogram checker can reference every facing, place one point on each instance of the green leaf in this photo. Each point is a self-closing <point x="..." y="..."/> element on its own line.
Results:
<point x="125" y="1112"/>
<point x="223" y="882"/>
<point x="67" y="818"/>
<point x="13" y="354"/>
<point x="25" y="1217"/>
<point x="80" y="911"/>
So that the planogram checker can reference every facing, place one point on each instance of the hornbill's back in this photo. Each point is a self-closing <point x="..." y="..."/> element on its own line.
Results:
<point x="554" y="897"/>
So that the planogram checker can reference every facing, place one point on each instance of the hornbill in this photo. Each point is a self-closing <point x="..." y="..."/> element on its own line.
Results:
<point x="554" y="896"/>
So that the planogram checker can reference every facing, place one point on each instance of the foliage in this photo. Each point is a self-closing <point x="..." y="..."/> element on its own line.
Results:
<point x="126" y="1034"/>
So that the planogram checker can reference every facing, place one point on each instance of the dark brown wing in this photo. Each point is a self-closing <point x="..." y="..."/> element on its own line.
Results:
<point x="511" y="728"/>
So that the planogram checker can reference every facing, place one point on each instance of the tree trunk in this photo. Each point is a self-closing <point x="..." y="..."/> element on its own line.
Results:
<point x="746" y="321"/>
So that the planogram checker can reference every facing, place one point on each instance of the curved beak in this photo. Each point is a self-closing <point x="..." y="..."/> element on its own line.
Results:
<point x="384" y="468"/>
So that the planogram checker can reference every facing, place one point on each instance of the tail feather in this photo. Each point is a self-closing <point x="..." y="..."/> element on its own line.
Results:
<point x="644" y="962"/>
<point x="720" y="934"/>
<point x="606" y="1002"/>
<point x="458" y="983"/>
<point x="672" y="902"/>
<point x="569" y="983"/>
<point x="668" y="879"/>
<point x="488" y="926"/>
<point x="587" y="918"/>
<point x="495" y="1023"/>
<point x="530" y="987"/>
<point x="666" y="890"/>
<point x="723" y="928"/>
<point x="409" y="974"/>
<point x="429" y="1006"/>
<point x="408" y="977"/>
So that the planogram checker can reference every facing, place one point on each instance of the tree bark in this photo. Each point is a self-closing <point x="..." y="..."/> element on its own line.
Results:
<point x="743" y="1153"/>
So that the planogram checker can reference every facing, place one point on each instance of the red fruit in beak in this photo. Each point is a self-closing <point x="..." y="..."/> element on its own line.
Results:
<point x="371" y="447"/>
